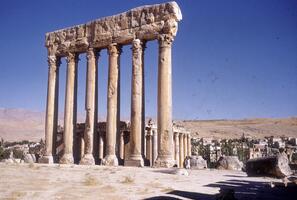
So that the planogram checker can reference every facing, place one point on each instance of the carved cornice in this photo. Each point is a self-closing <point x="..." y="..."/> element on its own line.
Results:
<point x="145" y="23"/>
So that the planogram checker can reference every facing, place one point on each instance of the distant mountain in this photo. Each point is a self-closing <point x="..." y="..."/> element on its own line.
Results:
<point x="20" y="124"/>
<point x="255" y="128"/>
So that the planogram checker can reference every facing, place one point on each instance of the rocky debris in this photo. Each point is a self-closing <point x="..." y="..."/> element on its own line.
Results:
<point x="229" y="163"/>
<point x="197" y="162"/>
<point x="274" y="166"/>
<point x="29" y="158"/>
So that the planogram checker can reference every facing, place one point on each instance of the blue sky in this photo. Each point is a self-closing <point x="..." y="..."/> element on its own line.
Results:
<point x="231" y="59"/>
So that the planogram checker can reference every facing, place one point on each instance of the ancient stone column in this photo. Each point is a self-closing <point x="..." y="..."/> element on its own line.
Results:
<point x="176" y="147"/>
<point x="155" y="146"/>
<point x="143" y="142"/>
<point x="51" y="109"/>
<point x="112" y="105"/>
<point x="135" y="157"/>
<point x="165" y="136"/>
<point x="69" y="118"/>
<point x="181" y="150"/>
<point x="122" y="145"/>
<point x="185" y="145"/>
<point x="189" y="145"/>
<point x="88" y="158"/>
<point x="149" y="147"/>
<point x="101" y="147"/>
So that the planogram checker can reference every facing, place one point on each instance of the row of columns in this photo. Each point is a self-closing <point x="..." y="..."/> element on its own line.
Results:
<point x="165" y="135"/>
<point x="182" y="143"/>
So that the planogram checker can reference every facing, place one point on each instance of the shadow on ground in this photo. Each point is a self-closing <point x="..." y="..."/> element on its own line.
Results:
<point x="238" y="189"/>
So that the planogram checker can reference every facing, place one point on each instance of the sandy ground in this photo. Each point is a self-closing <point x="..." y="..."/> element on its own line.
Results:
<point x="36" y="181"/>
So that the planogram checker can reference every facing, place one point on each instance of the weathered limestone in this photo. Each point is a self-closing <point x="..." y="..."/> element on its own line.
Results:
<point x="181" y="150"/>
<point x="135" y="157"/>
<point x="137" y="26"/>
<point x="155" y="146"/>
<point x="72" y="60"/>
<point x="165" y="142"/>
<point x="189" y="145"/>
<point x="149" y="147"/>
<point x="88" y="158"/>
<point x="112" y="105"/>
<point x="51" y="109"/>
<point x="176" y="148"/>
<point x="185" y="145"/>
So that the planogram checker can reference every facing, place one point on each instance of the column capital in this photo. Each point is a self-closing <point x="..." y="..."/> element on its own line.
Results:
<point x="114" y="48"/>
<point x="92" y="54"/>
<point x="53" y="61"/>
<point x="72" y="57"/>
<point x="165" y="40"/>
<point x="176" y="134"/>
<point x="137" y="45"/>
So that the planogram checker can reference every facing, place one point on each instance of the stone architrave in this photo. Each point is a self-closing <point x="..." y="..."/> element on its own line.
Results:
<point x="181" y="150"/>
<point x="88" y="158"/>
<point x="70" y="99"/>
<point x="135" y="157"/>
<point x="112" y="105"/>
<point x="165" y="132"/>
<point x="51" y="110"/>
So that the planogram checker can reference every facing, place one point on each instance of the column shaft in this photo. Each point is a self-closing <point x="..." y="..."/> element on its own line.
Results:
<point x="69" y="118"/>
<point x="176" y="142"/>
<point x="112" y="106"/>
<point x="101" y="147"/>
<point x="88" y="158"/>
<point x="189" y="145"/>
<point x="165" y="136"/>
<point x="51" y="109"/>
<point x="181" y="150"/>
<point x="135" y="157"/>
<point x="185" y="145"/>
<point x="155" y="146"/>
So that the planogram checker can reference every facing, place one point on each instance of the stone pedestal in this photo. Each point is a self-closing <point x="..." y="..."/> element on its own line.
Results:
<point x="135" y="157"/>
<point x="70" y="108"/>
<point x="165" y="136"/>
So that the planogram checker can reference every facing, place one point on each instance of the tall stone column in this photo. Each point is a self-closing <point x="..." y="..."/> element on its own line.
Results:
<point x="181" y="150"/>
<point x="101" y="147"/>
<point x="165" y="136"/>
<point x="185" y="145"/>
<point x="155" y="146"/>
<point x="69" y="117"/>
<point x="122" y="146"/>
<point x="149" y="147"/>
<point x="51" y="117"/>
<point x="112" y="105"/>
<point x="143" y="142"/>
<point x="189" y="145"/>
<point x="176" y="148"/>
<point x="88" y="158"/>
<point x="135" y="157"/>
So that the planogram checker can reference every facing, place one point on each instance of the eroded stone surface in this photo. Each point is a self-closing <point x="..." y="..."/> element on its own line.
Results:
<point x="145" y="23"/>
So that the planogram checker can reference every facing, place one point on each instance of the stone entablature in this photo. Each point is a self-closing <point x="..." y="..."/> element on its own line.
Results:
<point x="144" y="23"/>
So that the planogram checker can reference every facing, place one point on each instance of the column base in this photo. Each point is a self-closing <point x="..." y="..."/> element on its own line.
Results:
<point x="67" y="159"/>
<point x="110" y="160"/>
<point x="46" y="159"/>
<point x="88" y="159"/>
<point x="164" y="162"/>
<point x="134" y="161"/>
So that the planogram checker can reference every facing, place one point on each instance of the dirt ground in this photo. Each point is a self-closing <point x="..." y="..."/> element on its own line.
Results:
<point x="38" y="181"/>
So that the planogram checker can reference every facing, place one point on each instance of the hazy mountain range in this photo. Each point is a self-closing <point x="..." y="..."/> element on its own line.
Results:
<point x="20" y="124"/>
